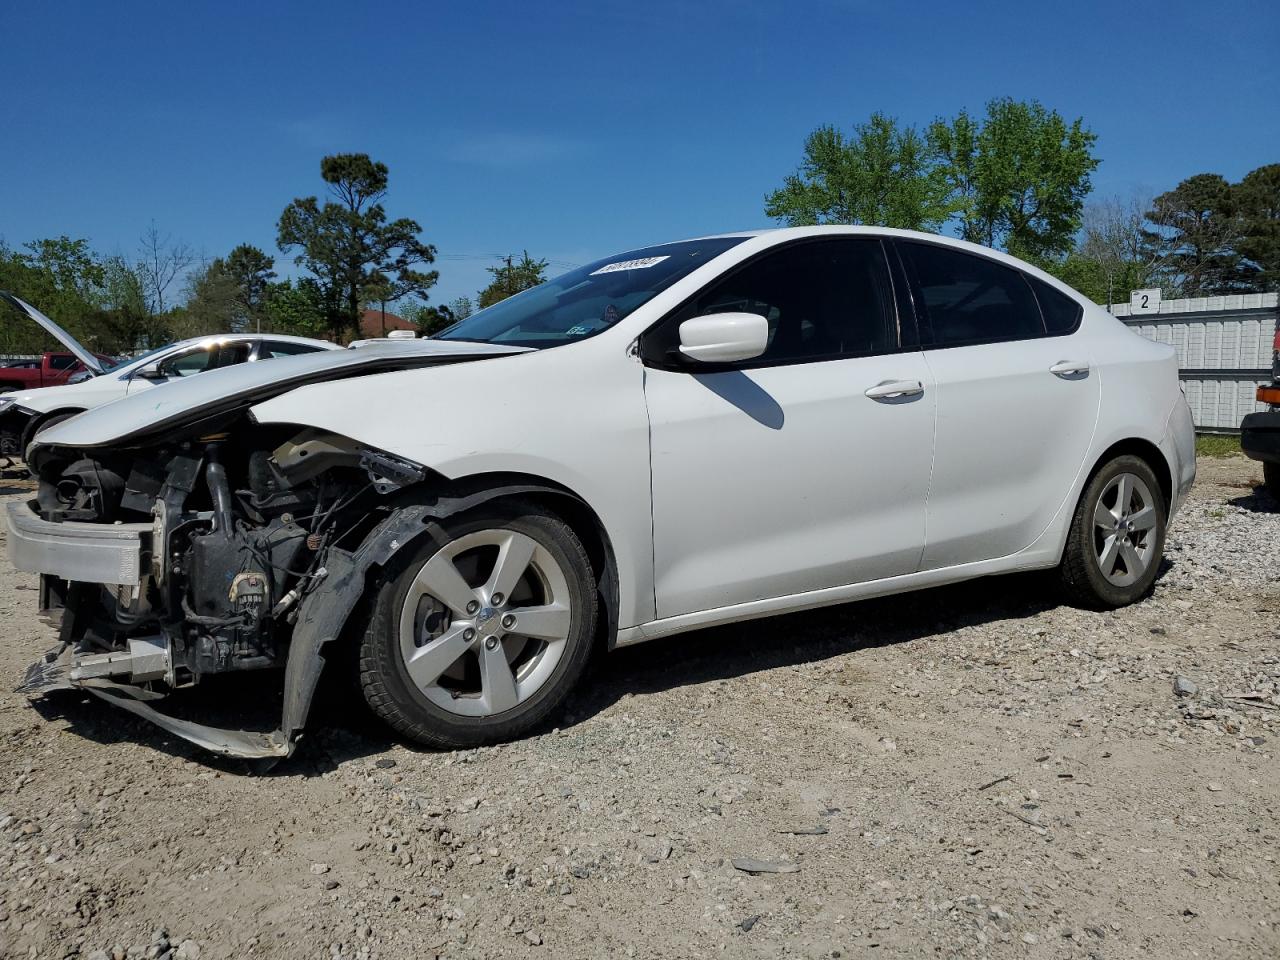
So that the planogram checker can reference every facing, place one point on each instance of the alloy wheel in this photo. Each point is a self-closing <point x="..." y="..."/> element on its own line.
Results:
<point x="485" y="622"/>
<point x="1124" y="529"/>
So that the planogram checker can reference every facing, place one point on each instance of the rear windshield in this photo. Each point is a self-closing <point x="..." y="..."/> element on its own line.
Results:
<point x="588" y="300"/>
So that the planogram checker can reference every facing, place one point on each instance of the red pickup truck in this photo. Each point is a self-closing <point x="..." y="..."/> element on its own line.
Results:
<point x="49" y="371"/>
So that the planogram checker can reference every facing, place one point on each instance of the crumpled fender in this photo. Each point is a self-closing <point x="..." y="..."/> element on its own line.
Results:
<point x="324" y="612"/>
<point x="322" y="615"/>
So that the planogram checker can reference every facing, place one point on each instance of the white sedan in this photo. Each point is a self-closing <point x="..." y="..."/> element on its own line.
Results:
<point x="25" y="412"/>
<point x="688" y="434"/>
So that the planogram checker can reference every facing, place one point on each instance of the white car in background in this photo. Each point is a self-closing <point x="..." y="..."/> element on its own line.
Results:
<point x="23" y="413"/>
<point x="688" y="434"/>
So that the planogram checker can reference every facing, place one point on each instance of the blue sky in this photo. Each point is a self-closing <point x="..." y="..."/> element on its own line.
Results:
<point x="574" y="130"/>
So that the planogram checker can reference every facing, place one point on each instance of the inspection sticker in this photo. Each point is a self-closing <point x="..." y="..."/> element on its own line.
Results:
<point x="631" y="264"/>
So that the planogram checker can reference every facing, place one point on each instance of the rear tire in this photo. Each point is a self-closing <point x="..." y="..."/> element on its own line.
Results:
<point x="1271" y="479"/>
<point x="478" y="635"/>
<point x="1116" y="540"/>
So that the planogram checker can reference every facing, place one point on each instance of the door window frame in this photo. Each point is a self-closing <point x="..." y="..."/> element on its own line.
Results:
<point x="904" y="325"/>
<point x="923" y="322"/>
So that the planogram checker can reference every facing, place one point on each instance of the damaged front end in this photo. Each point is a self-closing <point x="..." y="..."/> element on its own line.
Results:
<point x="243" y="547"/>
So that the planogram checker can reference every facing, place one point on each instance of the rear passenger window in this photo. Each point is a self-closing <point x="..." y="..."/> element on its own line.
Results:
<point x="281" y="348"/>
<point x="970" y="299"/>
<point x="1061" y="313"/>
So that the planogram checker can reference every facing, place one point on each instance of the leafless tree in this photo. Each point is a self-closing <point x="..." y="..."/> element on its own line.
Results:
<point x="161" y="260"/>
<point x="1119" y="235"/>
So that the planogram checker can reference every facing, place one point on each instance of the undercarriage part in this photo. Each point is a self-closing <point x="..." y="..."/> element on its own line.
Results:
<point x="146" y="658"/>
<point x="52" y="672"/>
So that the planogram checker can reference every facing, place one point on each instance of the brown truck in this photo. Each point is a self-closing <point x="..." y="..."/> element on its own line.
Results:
<point x="49" y="370"/>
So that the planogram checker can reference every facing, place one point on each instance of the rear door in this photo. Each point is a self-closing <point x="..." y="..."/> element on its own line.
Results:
<point x="1017" y="400"/>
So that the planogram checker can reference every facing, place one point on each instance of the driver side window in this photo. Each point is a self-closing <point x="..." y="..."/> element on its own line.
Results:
<point x="205" y="358"/>
<point x="823" y="300"/>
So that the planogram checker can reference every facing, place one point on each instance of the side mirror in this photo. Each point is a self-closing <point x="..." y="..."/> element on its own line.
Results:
<point x="150" y="372"/>
<point x="724" y="337"/>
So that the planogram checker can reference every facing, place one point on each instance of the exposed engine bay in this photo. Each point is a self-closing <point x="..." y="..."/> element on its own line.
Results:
<point x="244" y="526"/>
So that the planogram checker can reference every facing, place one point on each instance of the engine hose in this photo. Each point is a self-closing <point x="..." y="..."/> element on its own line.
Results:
<point x="215" y="475"/>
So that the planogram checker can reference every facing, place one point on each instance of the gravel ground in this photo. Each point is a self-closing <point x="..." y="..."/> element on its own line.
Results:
<point x="971" y="771"/>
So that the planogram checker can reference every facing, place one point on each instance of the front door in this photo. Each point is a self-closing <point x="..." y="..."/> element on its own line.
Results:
<point x="805" y="468"/>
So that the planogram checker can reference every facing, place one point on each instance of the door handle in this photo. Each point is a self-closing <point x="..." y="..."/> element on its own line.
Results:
<point x="889" y="390"/>
<point x="1070" y="369"/>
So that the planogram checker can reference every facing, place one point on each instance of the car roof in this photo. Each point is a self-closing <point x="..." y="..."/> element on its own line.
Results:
<point x="212" y="338"/>
<point x="781" y="234"/>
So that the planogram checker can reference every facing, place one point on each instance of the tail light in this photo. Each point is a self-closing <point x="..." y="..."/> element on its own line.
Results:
<point x="1269" y="394"/>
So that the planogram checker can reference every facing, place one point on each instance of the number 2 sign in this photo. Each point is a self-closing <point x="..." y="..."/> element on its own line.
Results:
<point x="1145" y="301"/>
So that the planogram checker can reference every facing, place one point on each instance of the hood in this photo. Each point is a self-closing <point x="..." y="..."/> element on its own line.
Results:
<point x="68" y="341"/>
<point x="42" y="399"/>
<point x="137" y="418"/>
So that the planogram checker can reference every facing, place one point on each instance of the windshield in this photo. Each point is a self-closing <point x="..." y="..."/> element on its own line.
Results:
<point x="588" y="300"/>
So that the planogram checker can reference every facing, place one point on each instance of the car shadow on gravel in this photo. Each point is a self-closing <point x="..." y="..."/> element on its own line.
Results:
<point x="741" y="649"/>
<point x="1259" y="501"/>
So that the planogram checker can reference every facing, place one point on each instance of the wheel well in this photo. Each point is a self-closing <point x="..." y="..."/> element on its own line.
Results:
<point x="563" y="502"/>
<point x="36" y="422"/>
<point x="590" y="530"/>
<point x="1146" y="451"/>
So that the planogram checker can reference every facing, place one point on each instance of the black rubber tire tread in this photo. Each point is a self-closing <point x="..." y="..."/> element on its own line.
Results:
<point x="383" y="679"/>
<point x="35" y="426"/>
<point x="1079" y="575"/>
<point x="1271" y="479"/>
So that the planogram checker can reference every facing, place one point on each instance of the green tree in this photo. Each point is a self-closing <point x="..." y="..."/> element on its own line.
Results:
<point x="1257" y="201"/>
<point x="212" y="303"/>
<point x="296" y="308"/>
<point x="63" y="279"/>
<point x="511" y="277"/>
<point x="430" y="319"/>
<point x="882" y="175"/>
<point x="228" y="294"/>
<point x="123" y="318"/>
<point x="461" y="308"/>
<point x="350" y="247"/>
<point x="1196" y="226"/>
<point x="100" y="302"/>
<point x="251" y="271"/>
<point x="1018" y="179"/>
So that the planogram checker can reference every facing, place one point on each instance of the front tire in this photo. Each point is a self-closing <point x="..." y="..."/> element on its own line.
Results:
<point x="478" y="635"/>
<point x="1116" y="541"/>
<point x="36" y="426"/>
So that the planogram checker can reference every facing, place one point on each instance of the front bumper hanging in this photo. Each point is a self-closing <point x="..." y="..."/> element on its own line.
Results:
<point x="120" y="556"/>
<point x="80" y="552"/>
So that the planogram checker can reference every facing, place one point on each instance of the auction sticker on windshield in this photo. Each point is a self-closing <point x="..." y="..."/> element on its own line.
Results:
<point x="631" y="264"/>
